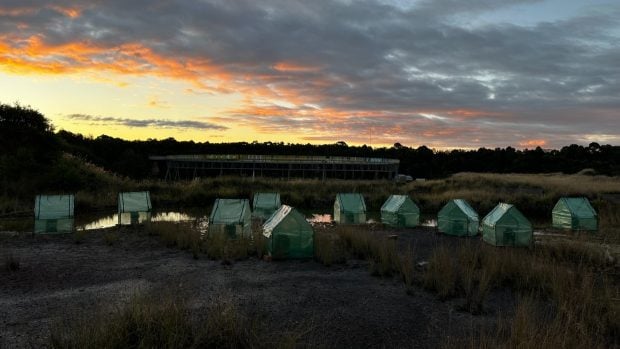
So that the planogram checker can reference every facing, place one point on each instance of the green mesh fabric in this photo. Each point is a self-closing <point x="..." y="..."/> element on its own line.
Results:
<point x="574" y="214"/>
<point x="458" y="218"/>
<point x="400" y="211"/>
<point x="139" y="201"/>
<point x="53" y="214"/>
<point x="265" y="204"/>
<point x="288" y="234"/>
<point x="506" y="226"/>
<point x="349" y="208"/>
<point x="231" y="217"/>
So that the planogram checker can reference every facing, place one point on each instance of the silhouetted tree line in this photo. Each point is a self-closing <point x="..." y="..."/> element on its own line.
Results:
<point x="29" y="145"/>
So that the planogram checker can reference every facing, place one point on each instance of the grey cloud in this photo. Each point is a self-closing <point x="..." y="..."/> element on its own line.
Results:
<point x="158" y="123"/>
<point x="377" y="57"/>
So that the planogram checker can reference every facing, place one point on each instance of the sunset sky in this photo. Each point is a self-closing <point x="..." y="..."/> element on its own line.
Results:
<point x="444" y="73"/>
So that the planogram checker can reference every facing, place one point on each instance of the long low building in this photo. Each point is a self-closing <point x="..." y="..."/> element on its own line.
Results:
<point x="174" y="167"/>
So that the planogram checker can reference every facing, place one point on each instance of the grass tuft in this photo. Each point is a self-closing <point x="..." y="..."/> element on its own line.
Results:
<point x="110" y="238"/>
<point x="328" y="248"/>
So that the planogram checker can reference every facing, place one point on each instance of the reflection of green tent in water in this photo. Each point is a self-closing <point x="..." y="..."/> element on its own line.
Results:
<point x="134" y="207"/>
<point x="53" y="214"/>
<point x="506" y="226"/>
<point x="575" y="214"/>
<point x="458" y="218"/>
<point x="400" y="211"/>
<point x="288" y="234"/>
<point x="231" y="218"/>
<point x="350" y="208"/>
<point x="265" y="204"/>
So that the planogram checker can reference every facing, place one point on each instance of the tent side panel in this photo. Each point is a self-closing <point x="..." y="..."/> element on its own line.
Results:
<point x="337" y="212"/>
<point x="457" y="226"/>
<point x="53" y="226"/>
<point x="409" y="220"/>
<point x="561" y="217"/>
<point x="389" y="218"/>
<point x="590" y="224"/>
<point x="474" y="226"/>
<point x="488" y="234"/>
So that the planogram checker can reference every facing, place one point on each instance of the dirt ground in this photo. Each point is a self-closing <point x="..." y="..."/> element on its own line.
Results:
<point x="343" y="306"/>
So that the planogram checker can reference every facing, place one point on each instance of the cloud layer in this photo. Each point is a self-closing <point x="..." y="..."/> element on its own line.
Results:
<point x="426" y="73"/>
<point x="156" y="123"/>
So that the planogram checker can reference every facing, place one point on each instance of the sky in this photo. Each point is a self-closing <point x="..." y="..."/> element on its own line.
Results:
<point x="441" y="73"/>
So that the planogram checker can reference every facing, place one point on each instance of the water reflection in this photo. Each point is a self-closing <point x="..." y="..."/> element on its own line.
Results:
<point x="111" y="220"/>
<point x="429" y="223"/>
<point x="173" y="217"/>
<point x="320" y="218"/>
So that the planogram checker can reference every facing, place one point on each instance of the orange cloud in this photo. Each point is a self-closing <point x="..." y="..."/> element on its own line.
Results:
<point x="533" y="143"/>
<point x="294" y="68"/>
<point x="71" y="12"/>
<point x="33" y="56"/>
<point x="68" y="11"/>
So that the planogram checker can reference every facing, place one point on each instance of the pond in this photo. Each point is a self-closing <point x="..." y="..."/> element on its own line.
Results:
<point x="102" y="220"/>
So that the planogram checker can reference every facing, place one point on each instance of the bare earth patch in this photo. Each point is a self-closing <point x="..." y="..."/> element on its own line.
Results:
<point x="338" y="306"/>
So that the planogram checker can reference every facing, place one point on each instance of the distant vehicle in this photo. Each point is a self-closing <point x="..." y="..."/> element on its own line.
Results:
<point x="403" y="178"/>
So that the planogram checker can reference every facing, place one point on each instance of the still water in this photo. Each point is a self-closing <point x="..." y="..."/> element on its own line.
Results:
<point x="101" y="220"/>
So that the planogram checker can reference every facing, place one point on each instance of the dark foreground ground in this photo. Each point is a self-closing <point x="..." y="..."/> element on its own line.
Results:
<point x="341" y="306"/>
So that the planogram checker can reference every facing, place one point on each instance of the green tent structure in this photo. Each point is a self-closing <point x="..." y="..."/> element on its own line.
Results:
<point x="574" y="214"/>
<point x="231" y="218"/>
<point x="400" y="211"/>
<point x="265" y="204"/>
<point x="53" y="214"/>
<point x="506" y="226"/>
<point x="288" y="234"/>
<point x="134" y="207"/>
<point x="458" y="218"/>
<point x="350" y="208"/>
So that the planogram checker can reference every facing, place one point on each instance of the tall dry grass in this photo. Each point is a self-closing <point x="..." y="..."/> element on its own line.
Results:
<point x="166" y="321"/>
<point x="568" y="298"/>
<point x="534" y="194"/>
<point x="182" y="235"/>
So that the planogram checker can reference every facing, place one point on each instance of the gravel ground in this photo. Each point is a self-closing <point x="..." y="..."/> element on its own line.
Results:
<point x="342" y="305"/>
